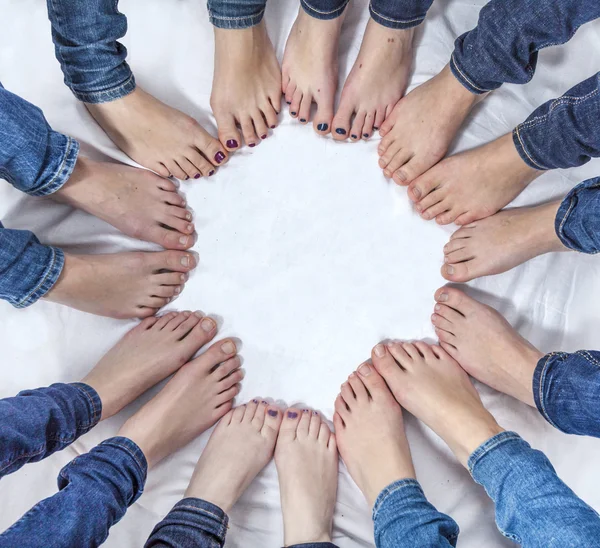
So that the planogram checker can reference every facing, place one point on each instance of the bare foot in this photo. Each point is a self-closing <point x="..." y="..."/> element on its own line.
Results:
<point x="122" y="285"/>
<point x="159" y="137"/>
<point x="149" y="353"/>
<point x="501" y="242"/>
<point x="246" y="85"/>
<point x="485" y="344"/>
<point x="241" y="445"/>
<point x="418" y="132"/>
<point x="428" y="383"/>
<point x="376" y="83"/>
<point x="310" y="68"/>
<point x="307" y="464"/>
<point x="197" y="396"/>
<point x="137" y="202"/>
<point x="472" y="185"/>
<point x="370" y="432"/>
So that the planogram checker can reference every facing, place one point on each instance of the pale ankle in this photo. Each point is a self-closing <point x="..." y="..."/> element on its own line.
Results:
<point x="474" y="434"/>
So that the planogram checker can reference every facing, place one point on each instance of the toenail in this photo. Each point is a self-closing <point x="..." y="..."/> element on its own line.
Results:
<point x="211" y="172"/>
<point x="182" y="277"/>
<point x="265" y="402"/>
<point x="288" y="102"/>
<point x="272" y="127"/>
<point x="263" y="136"/>
<point x="364" y="370"/>
<point x="354" y="136"/>
<point x="185" y="260"/>
<point x="293" y="113"/>
<point x="375" y="128"/>
<point x="292" y="414"/>
<point x="315" y="412"/>
<point x="231" y="143"/>
<point x="379" y="351"/>
<point x="178" y="290"/>
<point x="305" y="410"/>
<point x="303" y="120"/>
<point x="183" y="240"/>
<point x="252" y="145"/>
<point x="254" y="401"/>
<point x="446" y="259"/>
<point x="340" y="131"/>
<point x="401" y="175"/>
<point x="450" y="269"/>
<point x="323" y="127"/>
<point x="365" y="135"/>
<point x="219" y="157"/>
<point x="228" y="347"/>
<point x="188" y="216"/>
<point x="437" y="307"/>
<point x="190" y="228"/>
<point x="416" y="192"/>
<point x="197" y="176"/>
<point x="443" y="297"/>
<point x="272" y="412"/>
<point x="207" y="325"/>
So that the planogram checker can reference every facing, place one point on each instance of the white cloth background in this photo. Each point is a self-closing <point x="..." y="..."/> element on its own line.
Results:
<point x="306" y="253"/>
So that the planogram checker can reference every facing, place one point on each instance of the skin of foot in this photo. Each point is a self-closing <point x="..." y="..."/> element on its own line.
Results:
<point x="159" y="137"/>
<point x="472" y="185"/>
<point x="431" y="385"/>
<point x="246" y="87"/>
<point x="122" y="285"/>
<point x="137" y="202"/>
<point x="485" y="344"/>
<point x="501" y="242"/>
<point x="310" y="69"/>
<point x="418" y="132"/>
<point x="370" y="432"/>
<point x="241" y="445"/>
<point x="306" y="457"/>
<point x="146" y="355"/>
<point x="196" y="397"/>
<point x="376" y="82"/>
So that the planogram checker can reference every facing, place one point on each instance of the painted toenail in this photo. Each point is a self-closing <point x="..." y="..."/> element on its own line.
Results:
<point x="450" y="270"/>
<point x="323" y="127"/>
<point x="303" y="120"/>
<point x="207" y="325"/>
<point x="185" y="261"/>
<point x="379" y="351"/>
<point x="251" y="145"/>
<point x="416" y="192"/>
<point x="254" y="401"/>
<point x="211" y="172"/>
<point x="292" y="414"/>
<point x="197" y="176"/>
<point x="183" y="240"/>
<point x="315" y="412"/>
<point x="231" y="143"/>
<point x="354" y="136"/>
<point x="219" y="157"/>
<point x="305" y="410"/>
<point x="272" y="127"/>
<point x="293" y="113"/>
<point x="375" y="128"/>
<point x="437" y="307"/>
<point x="272" y="412"/>
<point x="340" y="131"/>
<point x="228" y="347"/>
<point x="288" y="102"/>
<point x="265" y="402"/>
<point x="263" y="136"/>
<point x="443" y="297"/>
<point x="365" y="135"/>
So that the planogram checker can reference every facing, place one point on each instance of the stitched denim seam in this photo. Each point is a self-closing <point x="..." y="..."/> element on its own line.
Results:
<point x="95" y="410"/>
<point x="96" y="94"/>
<point x="503" y="437"/>
<point x="241" y="18"/>
<point x="60" y="169"/>
<point x="586" y="355"/>
<point x="466" y="78"/>
<point x="386" y="492"/>
<point x="541" y="384"/>
<point x="222" y="525"/>
<point x="415" y="20"/>
<point x="321" y="12"/>
<point x="133" y="456"/>
<point x="43" y="281"/>
<point x="521" y="142"/>
<point x="564" y="220"/>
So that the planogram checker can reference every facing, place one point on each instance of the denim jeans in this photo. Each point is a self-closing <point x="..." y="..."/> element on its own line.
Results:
<point x="95" y="489"/>
<point x="504" y="46"/>
<point x="39" y="161"/>
<point x="533" y="506"/>
<point x="394" y="14"/>
<point x="85" y="36"/>
<point x="196" y="522"/>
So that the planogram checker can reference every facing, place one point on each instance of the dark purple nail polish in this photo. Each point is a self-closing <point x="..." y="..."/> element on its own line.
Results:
<point x="293" y="113"/>
<point x="263" y="136"/>
<point x="292" y="414"/>
<point x="288" y="102"/>
<point x="340" y="131"/>
<point x="187" y="177"/>
<point x="366" y="135"/>
<point x="211" y="172"/>
<point x="375" y="128"/>
<point x="354" y="136"/>
<point x="315" y="412"/>
<point x="323" y="127"/>
<point x="232" y="143"/>
<point x="219" y="157"/>
<point x="273" y="127"/>
<point x="265" y="402"/>
<point x="272" y="412"/>
<point x="254" y="401"/>
<point x="197" y="176"/>
<point x="303" y="120"/>
<point x="251" y="145"/>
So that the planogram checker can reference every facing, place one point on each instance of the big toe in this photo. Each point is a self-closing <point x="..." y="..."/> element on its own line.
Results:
<point x="342" y="121"/>
<point x="228" y="131"/>
<point x="323" y="117"/>
<point x="290" y="423"/>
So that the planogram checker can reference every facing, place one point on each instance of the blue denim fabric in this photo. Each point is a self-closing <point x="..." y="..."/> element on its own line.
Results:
<point x="533" y="506"/>
<point x="85" y="36"/>
<point x="578" y="218"/>
<point x="95" y="489"/>
<point x="563" y="132"/>
<point x="566" y="389"/>
<point x="503" y="47"/>
<point x="404" y="518"/>
<point x="236" y="14"/>
<point x="196" y="522"/>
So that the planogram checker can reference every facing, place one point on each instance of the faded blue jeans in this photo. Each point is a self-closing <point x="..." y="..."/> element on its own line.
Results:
<point x="394" y="14"/>
<point x="94" y="489"/>
<point x="39" y="161"/>
<point x="533" y="506"/>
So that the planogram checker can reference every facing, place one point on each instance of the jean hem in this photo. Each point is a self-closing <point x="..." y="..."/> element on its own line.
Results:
<point x="488" y="446"/>
<point x="65" y="169"/>
<point x="467" y="82"/>
<point x="323" y="15"/>
<point x="49" y="278"/>
<point x="107" y="95"/>
<point x="392" y="488"/>
<point x="94" y="401"/>
<point x="232" y="23"/>
<point x="525" y="155"/>
<point x="134" y="451"/>
<point x="391" y="23"/>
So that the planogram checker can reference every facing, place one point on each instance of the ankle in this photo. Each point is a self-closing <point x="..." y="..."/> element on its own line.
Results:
<point x="64" y="286"/>
<point x="460" y="95"/>
<point x="543" y="231"/>
<point x="473" y="433"/>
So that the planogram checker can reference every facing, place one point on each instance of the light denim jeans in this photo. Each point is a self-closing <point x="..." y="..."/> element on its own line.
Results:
<point x="533" y="506"/>
<point x="394" y="14"/>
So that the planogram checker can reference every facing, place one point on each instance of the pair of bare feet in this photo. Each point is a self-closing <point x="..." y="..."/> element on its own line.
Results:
<point x="431" y="382"/>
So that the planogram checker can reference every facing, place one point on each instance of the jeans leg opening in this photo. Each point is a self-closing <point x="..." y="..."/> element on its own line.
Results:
<point x="394" y="23"/>
<point x="108" y="95"/>
<point x="324" y="15"/>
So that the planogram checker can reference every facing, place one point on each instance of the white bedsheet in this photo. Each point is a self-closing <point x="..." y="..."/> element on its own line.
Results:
<point x="307" y="254"/>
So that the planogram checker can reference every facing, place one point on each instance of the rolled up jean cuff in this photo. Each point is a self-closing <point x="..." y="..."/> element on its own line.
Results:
<point x="526" y="155"/>
<point x="313" y="545"/>
<point x="490" y="445"/>
<point x="461" y="74"/>
<point x="107" y="95"/>
<point x="574" y="227"/>
<point x="94" y="404"/>
<point x="394" y="23"/>
<point x="241" y="22"/>
<point x="55" y="264"/>
<point x="408" y="483"/>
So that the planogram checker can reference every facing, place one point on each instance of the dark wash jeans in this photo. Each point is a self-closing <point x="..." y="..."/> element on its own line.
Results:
<point x="394" y="14"/>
